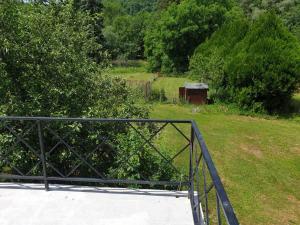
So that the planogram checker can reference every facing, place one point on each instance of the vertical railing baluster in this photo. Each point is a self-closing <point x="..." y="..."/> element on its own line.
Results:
<point x="205" y="193"/>
<point x="191" y="177"/>
<point x="191" y="157"/>
<point x="43" y="158"/>
<point x="218" y="210"/>
<point x="197" y="162"/>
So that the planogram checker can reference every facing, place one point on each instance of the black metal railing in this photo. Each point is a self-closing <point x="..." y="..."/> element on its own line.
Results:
<point x="168" y="154"/>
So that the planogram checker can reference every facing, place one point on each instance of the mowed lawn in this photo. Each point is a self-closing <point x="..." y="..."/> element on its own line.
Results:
<point x="258" y="160"/>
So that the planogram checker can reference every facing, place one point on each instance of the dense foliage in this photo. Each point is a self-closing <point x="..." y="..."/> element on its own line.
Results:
<point x="125" y="36"/>
<point x="133" y="7"/>
<point x="257" y="68"/>
<point x="94" y="8"/>
<point x="125" y="25"/>
<point x="173" y="37"/>
<point x="48" y="68"/>
<point x="207" y="62"/>
<point x="288" y="10"/>
<point x="263" y="71"/>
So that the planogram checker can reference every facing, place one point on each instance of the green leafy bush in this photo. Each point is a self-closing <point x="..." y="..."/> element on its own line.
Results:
<point x="125" y="24"/>
<point x="45" y="52"/>
<point x="175" y="34"/>
<point x="263" y="70"/>
<point x="146" y="163"/>
<point x="46" y="70"/>
<point x="254" y="65"/>
<point x="208" y="60"/>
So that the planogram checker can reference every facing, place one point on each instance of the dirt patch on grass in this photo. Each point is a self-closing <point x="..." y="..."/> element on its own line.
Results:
<point x="289" y="213"/>
<point x="252" y="150"/>
<point x="296" y="149"/>
<point x="293" y="200"/>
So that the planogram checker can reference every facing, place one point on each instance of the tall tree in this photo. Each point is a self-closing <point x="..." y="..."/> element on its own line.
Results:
<point x="263" y="70"/>
<point x="172" y="39"/>
<point x="95" y="9"/>
<point x="288" y="10"/>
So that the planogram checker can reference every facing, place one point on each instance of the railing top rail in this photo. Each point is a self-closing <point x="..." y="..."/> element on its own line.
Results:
<point x="91" y="119"/>
<point x="226" y="205"/>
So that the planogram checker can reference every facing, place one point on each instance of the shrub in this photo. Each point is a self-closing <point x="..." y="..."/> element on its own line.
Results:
<point x="207" y="63"/>
<point x="172" y="39"/>
<point x="255" y="66"/>
<point x="46" y="70"/>
<point x="145" y="163"/>
<point x="125" y="36"/>
<point x="45" y="53"/>
<point x="263" y="70"/>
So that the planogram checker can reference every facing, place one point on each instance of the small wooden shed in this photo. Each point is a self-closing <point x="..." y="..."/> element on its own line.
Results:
<point x="195" y="93"/>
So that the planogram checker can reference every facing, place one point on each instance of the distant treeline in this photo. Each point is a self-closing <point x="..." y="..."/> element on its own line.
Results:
<point x="248" y="51"/>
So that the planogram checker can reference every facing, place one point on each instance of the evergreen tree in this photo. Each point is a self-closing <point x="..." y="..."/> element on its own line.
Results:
<point x="263" y="70"/>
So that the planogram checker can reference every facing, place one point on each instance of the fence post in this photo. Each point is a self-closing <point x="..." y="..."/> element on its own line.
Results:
<point x="43" y="159"/>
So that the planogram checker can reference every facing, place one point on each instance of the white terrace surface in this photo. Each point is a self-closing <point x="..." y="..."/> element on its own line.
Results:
<point x="29" y="204"/>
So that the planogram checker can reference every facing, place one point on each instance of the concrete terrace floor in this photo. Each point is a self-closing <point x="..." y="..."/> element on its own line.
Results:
<point x="30" y="204"/>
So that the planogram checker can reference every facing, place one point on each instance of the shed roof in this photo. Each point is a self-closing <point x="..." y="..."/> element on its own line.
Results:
<point x="196" y="86"/>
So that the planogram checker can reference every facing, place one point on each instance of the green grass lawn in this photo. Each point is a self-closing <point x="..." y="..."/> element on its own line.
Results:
<point x="258" y="160"/>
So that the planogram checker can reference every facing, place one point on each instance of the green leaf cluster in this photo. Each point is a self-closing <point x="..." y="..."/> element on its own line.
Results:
<point x="125" y="35"/>
<point x="254" y="64"/>
<point x="46" y="68"/>
<point x="174" y="35"/>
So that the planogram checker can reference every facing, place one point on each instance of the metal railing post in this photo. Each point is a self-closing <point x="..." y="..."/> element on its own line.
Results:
<point x="43" y="158"/>
<point x="218" y="210"/>
<point x="191" y="178"/>
<point x="205" y="194"/>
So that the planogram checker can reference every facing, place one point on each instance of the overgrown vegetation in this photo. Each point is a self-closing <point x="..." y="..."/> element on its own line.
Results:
<point x="254" y="65"/>
<point x="208" y="61"/>
<point x="258" y="72"/>
<point x="288" y="10"/>
<point x="191" y="35"/>
<point x="170" y="41"/>
<point x="51" y="65"/>
<point x="263" y="70"/>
